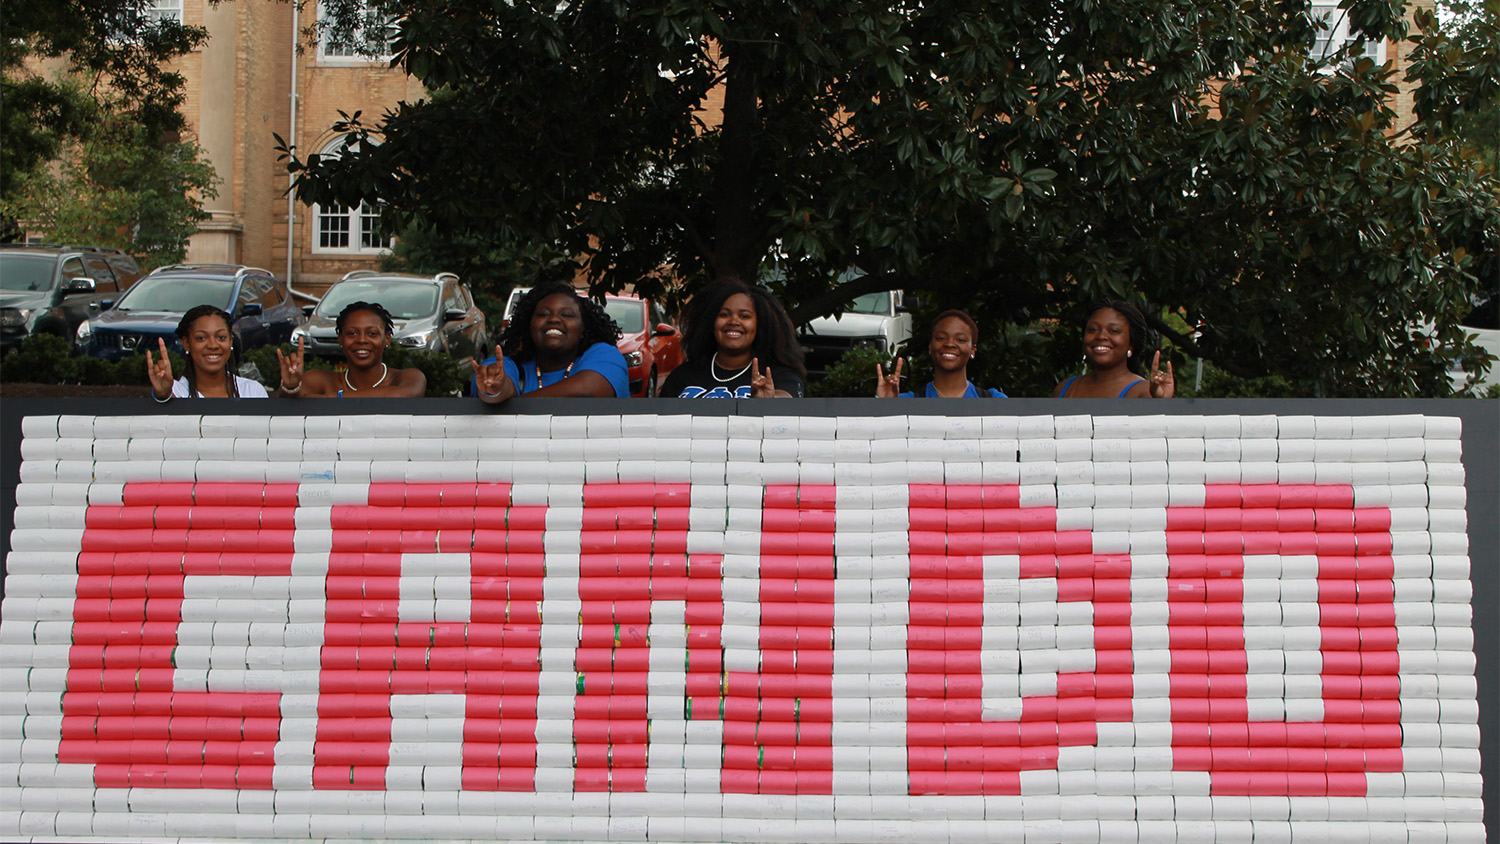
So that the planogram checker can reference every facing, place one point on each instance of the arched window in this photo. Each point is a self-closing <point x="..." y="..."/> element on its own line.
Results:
<point x="347" y="230"/>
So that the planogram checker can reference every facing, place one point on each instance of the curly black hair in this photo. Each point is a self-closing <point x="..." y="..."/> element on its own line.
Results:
<point x="373" y="307"/>
<point x="185" y="327"/>
<point x="775" y="338"/>
<point x="1140" y="332"/>
<point x="516" y="342"/>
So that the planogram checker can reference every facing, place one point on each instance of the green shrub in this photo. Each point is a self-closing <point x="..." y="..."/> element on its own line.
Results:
<point x="852" y="375"/>
<point x="48" y="359"/>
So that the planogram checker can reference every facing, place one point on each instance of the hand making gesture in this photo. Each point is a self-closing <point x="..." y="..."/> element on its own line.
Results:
<point x="160" y="373"/>
<point x="292" y="370"/>
<point x="888" y="386"/>
<point x="494" y="385"/>
<point x="1163" y="384"/>
<point x="761" y="385"/>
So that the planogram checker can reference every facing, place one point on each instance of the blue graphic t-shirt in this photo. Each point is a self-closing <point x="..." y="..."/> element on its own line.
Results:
<point x="695" y="382"/>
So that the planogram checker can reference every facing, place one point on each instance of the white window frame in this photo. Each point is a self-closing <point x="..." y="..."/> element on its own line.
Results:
<point x="329" y="54"/>
<point x="1331" y="40"/>
<point x="158" y="10"/>
<point x="359" y="224"/>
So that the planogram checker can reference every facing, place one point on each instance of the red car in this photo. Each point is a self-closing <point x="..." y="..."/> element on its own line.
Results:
<point x="652" y="346"/>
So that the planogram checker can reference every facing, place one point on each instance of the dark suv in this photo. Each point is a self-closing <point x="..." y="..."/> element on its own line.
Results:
<point x="261" y="305"/>
<point x="53" y="289"/>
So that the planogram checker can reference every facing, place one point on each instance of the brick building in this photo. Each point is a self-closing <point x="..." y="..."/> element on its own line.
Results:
<point x="261" y="73"/>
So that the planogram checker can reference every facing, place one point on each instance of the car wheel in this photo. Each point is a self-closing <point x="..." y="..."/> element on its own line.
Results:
<point x="651" y="390"/>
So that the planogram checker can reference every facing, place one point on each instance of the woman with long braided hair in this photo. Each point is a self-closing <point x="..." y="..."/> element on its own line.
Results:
<point x="212" y="355"/>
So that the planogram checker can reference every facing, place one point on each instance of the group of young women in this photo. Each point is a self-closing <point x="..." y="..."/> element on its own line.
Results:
<point x="739" y="343"/>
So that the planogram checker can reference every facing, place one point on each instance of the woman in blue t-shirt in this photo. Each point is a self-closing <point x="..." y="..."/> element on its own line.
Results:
<point x="951" y="344"/>
<point x="557" y="344"/>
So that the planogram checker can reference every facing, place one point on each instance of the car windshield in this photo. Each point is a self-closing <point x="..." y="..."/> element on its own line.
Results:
<point x="26" y="272"/>
<point x="627" y="313"/>
<point x="404" y="299"/>
<point x="176" y="294"/>
<point x="872" y="303"/>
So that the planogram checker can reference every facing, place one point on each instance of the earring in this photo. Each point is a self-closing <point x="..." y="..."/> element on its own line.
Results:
<point x="1129" y="352"/>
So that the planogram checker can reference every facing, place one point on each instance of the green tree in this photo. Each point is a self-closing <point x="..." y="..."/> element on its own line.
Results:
<point x="115" y="46"/>
<point x="116" y="185"/>
<point x="1016" y="158"/>
<point x="1470" y="25"/>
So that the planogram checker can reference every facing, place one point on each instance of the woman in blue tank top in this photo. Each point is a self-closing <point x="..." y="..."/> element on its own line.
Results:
<point x="1114" y="347"/>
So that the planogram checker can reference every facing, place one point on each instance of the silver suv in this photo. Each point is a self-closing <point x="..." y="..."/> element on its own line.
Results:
<point x="435" y="313"/>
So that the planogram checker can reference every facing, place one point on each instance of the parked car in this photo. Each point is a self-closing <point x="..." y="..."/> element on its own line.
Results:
<point x="874" y="320"/>
<point x="1482" y="322"/>
<point x="652" y="346"/>
<point x="54" y="289"/>
<point x="261" y="304"/>
<point x="434" y="313"/>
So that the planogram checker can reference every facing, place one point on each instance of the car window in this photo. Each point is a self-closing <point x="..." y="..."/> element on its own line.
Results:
<point x="404" y="299"/>
<point x="73" y="268"/>
<point x="269" y="292"/>
<point x="627" y="313"/>
<point x="656" y="315"/>
<point x="175" y="294"/>
<point x="127" y="272"/>
<point x="99" y="271"/>
<point x="22" y="272"/>
<point x="872" y="303"/>
<point x="248" y="293"/>
<point x="451" y="299"/>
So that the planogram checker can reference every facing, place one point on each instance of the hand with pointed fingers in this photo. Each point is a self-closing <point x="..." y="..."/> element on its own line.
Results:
<point x="1163" y="384"/>
<point x="888" y="386"/>
<point x="160" y="372"/>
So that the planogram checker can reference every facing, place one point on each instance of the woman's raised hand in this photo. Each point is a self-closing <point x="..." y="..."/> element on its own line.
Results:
<point x="888" y="386"/>
<point x="1163" y="384"/>
<point x="292" y="369"/>
<point x="160" y="372"/>
<point x="761" y="385"/>
<point x="490" y="378"/>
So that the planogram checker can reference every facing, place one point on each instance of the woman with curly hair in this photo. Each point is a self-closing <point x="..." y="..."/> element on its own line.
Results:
<point x="213" y="356"/>
<point x="557" y="344"/>
<point x="732" y="329"/>
<point x="364" y="332"/>
<point x="1115" y="338"/>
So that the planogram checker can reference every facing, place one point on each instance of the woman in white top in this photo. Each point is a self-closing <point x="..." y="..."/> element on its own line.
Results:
<point x="212" y="359"/>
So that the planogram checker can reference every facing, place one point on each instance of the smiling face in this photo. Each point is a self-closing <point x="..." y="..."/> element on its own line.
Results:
<point x="952" y="345"/>
<point x="557" y="326"/>
<point x="734" y="327"/>
<point x="363" y="339"/>
<point x="208" y="343"/>
<point x="1106" y="338"/>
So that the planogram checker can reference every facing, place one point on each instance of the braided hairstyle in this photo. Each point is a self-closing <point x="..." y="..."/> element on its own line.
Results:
<point x="373" y="307"/>
<point x="185" y="327"/>
<point x="1140" y="333"/>
<point x="516" y="342"/>
<point x="775" y="338"/>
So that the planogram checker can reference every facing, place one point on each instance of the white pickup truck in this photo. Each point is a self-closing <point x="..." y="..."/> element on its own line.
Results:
<point x="874" y="320"/>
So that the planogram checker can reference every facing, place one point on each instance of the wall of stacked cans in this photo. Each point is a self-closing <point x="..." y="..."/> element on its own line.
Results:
<point x="644" y="627"/>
